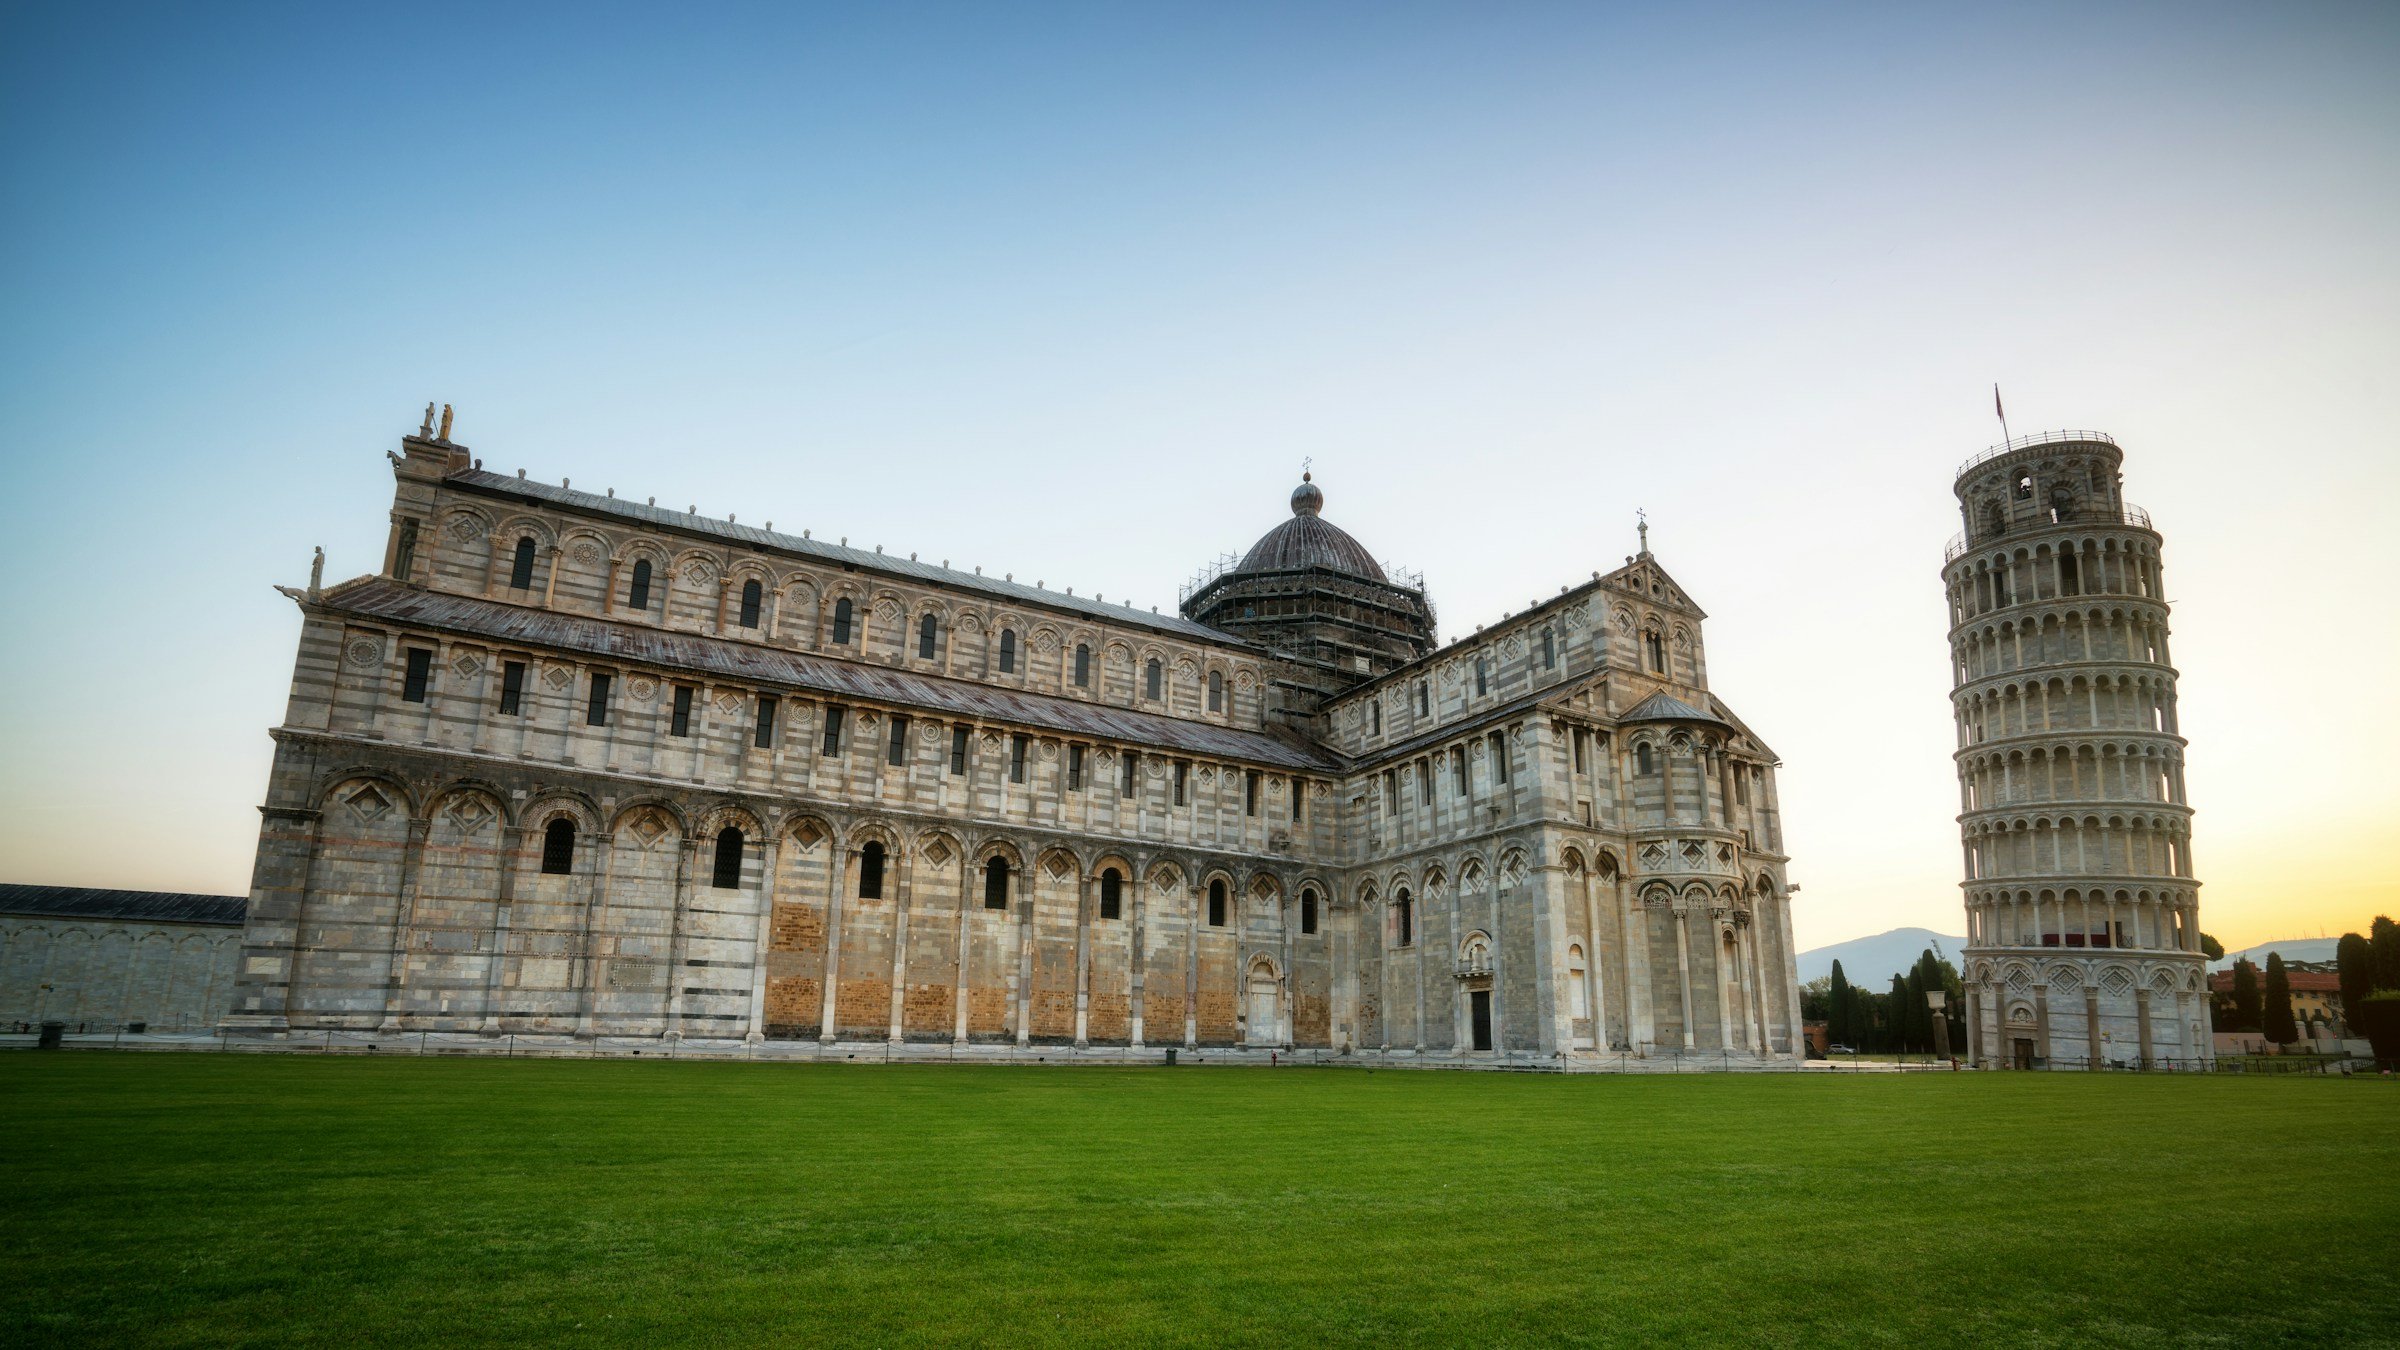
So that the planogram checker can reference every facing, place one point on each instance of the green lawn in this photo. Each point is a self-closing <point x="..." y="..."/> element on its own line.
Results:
<point x="188" y="1199"/>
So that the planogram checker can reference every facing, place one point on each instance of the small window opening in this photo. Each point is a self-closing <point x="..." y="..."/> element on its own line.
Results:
<point x="841" y="622"/>
<point x="1216" y="691"/>
<point x="870" y="871"/>
<point x="727" y="875"/>
<point x="1153" y="677"/>
<point x="958" y="749"/>
<point x="1250" y="793"/>
<point x="995" y="884"/>
<point x="1549" y="650"/>
<point x="1016" y="757"/>
<point x="1643" y="764"/>
<point x="928" y="630"/>
<point x="1483" y="683"/>
<point x="1375" y="711"/>
<point x="512" y="688"/>
<point x="1008" y="651"/>
<point x="753" y="596"/>
<point x="1308" y="911"/>
<point x="679" y="722"/>
<point x="763" y="736"/>
<point x="1216" y="904"/>
<point x="1183" y="774"/>
<point x="1424" y="699"/>
<point x="1499" y="757"/>
<point x="558" y="847"/>
<point x="1083" y="666"/>
<point x="832" y="744"/>
<point x="420" y="674"/>
<point x="637" y="591"/>
<point x="1125" y="773"/>
<point x="1074" y="768"/>
<point x="895" y="751"/>
<point x="1405" y="915"/>
<point x="595" y="712"/>
<point x="1112" y="893"/>
<point x="520" y="571"/>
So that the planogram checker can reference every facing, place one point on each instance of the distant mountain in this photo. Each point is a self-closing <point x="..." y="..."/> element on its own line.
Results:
<point x="1873" y="961"/>
<point x="2293" y="949"/>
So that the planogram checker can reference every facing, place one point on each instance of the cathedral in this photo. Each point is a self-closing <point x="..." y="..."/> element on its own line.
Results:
<point x="572" y="767"/>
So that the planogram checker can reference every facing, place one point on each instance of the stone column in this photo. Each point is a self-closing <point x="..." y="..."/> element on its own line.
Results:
<point x="2091" y="1021"/>
<point x="601" y="869"/>
<point x="1083" y="960"/>
<point x="1641" y="1020"/>
<point x="762" y="943"/>
<point x="686" y="881"/>
<point x="958" y="989"/>
<point x="1787" y="971"/>
<point x="512" y="851"/>
<point x="1139" y="881"/>
<point x="1593" y="964"/>
<point x="274" y="930"/>
<point x="2041" y="1021"/>
<point x="842" y="882"/>
<point x="1024" y="904"/>
<point x="404" y="913"/>
<point x="904" y="874"/>
<point x="1683" y="966"/>
<point x="2141" y="1010"/>
<point x="1198" y="889"/>
<point x="1974" y="1027"/>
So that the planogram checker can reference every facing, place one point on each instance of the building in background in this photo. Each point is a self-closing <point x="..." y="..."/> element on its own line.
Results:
<point x="577" y="767"/>
<point x="100" y="960"/>
<point x="2083" y="932"/>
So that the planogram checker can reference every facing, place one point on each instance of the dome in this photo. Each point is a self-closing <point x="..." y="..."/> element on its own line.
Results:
<point x="1306" y="540"/>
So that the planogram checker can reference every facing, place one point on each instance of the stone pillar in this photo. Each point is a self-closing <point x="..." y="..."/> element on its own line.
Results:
<point x="274" y="934"/>
<point x="1024" y="908"/>
<point x="601" y="869"/>
<point x="1083" y="960"/>
<point x="904" y="873"/>
<point x="762" y="943"/>
<point x="2141" y="1010"/>
<point x="2091" y="1022"/>
<point x="1593" y="963"/>
<point x="958" y="988"/>
<point x="1683" y="966"/>
<point x="404" y="913"/>
<point x="2041" y="1021"/>
<point x="1139" y="881"/>
<point x="686" y="881"/>
<point x="512" y="852"/>
<point x="1198" y="889"/>
<point x="1974" y="1028"/>
<point x="1642" y="1020"/>
<point x="842" y="882"/>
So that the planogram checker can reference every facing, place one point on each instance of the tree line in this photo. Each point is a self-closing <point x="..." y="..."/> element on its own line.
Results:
<point x="2368" y="973"/>
<point x="1897" y="1021"/>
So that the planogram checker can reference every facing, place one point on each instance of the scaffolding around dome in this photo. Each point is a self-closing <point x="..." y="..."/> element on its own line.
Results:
<point x="1316" y="597"/>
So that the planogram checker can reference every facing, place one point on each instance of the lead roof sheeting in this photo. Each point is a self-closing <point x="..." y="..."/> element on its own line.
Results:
<point x="1665" y="707"/>
<point x="81" y="902"/>
<point x="662" y="518"/>
<point x="390" y="601"/>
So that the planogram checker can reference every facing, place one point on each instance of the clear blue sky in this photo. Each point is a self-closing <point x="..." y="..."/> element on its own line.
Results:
<point x="1071" y="291"/>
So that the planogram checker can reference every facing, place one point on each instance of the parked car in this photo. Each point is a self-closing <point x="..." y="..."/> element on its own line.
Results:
<point x="1840" y="1050"/>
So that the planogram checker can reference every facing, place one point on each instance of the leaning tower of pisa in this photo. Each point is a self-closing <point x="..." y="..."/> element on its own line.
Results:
<point x="2083" y="935"/>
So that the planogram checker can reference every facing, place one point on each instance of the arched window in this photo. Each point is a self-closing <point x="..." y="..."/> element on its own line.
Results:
<point x="752" y="595"/>
<point x="927" y="630"/>
<point x="1658" y="651"/>
<point x="727" y="874"/>
<point x="1404" y="916"/>
<point x="1153" y="675"/>
<point x="1375" y="717"/>
<point x="1083" y="666"/>
<point x="1482" y="677"/>
<point x="1112" y="893"/>
<point x="1641" y="758"/>
<point x="637" y="593"/>
<point x="1579" y="994"/>
<point x="1008" y="651"/>
<point x="841" y="622"/>
<point x="870" y="871"/>
<point x="1308" y="911"/>
<point x="1549" y="650"/>
<point x="558" y="847"/>
<point x="1216" y="904"/>
<point x="1216" y="691"/>
<point x="520" y="572"/>
<point x="1424" y="700"/>
<point x="995" y="883"/>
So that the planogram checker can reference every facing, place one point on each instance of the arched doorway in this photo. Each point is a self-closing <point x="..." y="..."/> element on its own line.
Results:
<point x="1264" y="998"/>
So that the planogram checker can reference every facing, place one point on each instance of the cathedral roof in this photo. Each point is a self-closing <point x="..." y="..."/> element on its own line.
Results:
<point x="865" y="560"/>
<point x="1665" y="707"/>
<point x="1308" y="540"/>
<point x="390" y="602"/>
<point x="83" y="902"/>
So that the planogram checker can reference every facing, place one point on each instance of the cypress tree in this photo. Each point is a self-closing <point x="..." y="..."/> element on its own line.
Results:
<point x="1898" y="1033"/>
<point x="2279" y="1026"/>
<point x="2384" y="937"/>
<point x="2356" y="962"/>
<point x="1837" y="1024"/>
<point x="2246" y="1000"/>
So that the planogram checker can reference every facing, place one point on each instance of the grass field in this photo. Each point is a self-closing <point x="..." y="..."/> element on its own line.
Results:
<point x="174" y="1199"/>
